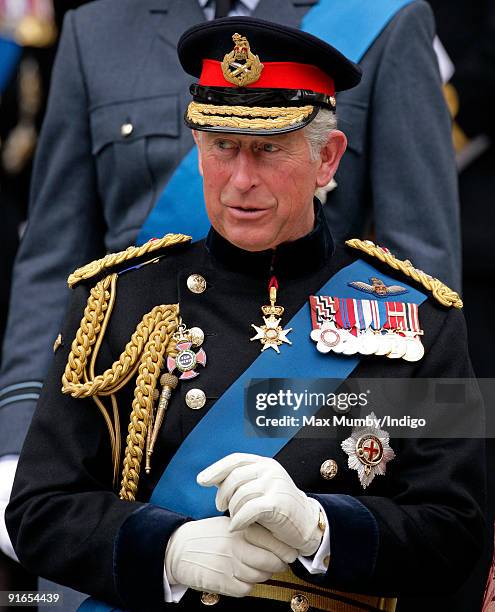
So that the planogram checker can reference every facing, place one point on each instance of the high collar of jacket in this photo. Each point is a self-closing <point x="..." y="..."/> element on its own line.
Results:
<point x="290" y="259"/>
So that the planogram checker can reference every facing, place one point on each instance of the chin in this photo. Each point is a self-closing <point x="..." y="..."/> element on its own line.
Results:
<point x="248" y="240"/>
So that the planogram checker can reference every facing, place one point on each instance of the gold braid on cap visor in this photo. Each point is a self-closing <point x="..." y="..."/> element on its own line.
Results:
<point x="255" y="117"/>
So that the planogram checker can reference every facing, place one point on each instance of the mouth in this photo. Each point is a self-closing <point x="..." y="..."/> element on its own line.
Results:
<point x="241" y="212"/>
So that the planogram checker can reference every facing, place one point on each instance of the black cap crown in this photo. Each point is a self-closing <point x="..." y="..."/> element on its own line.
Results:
<point x="258" y="77"/>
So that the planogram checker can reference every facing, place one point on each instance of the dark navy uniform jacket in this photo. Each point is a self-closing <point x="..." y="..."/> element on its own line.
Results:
<point x="415" y="532"/>
<point x="94" y="186"/>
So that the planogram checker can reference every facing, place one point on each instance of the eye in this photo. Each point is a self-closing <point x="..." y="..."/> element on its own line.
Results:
<point x="225" y="144"/>
<point x="269" y="147"/>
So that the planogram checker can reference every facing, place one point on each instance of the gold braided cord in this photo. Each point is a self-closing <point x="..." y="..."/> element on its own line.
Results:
<point x="108" y="313"/>
<point x="440" y="291"/>
<point x="145" y="351"/>
<point x="94" y="320"/>
<point x="114" y="431"/>
<point x="256" y="118"/>
<point x="116" y="420"/>
<point x="113" y="259"/>
<point x="118" y="374"/>
<point x="165" y="323"/>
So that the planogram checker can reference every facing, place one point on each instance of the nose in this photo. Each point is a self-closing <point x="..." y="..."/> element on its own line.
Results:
<point x="244" y="174"/>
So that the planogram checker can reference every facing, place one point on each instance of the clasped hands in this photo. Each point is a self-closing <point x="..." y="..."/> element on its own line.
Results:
<point x="271" y="522"/>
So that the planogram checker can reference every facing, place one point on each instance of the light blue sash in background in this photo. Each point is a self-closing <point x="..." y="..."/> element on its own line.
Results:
<point x="10" y="54"/>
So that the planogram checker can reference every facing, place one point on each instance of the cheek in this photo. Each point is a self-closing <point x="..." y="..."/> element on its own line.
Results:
<point x="213" y="186"/>
<point x="214" y="179"/>
<point x="295" y="183"/>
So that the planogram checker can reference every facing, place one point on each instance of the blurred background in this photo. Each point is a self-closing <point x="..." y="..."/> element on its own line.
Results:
<point x="29" y="32"/>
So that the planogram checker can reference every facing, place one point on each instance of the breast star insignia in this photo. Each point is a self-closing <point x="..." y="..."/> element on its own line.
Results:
<point x="378" y="288"/>
<point x="368" y="451"/>
<point x="271" y="333"/>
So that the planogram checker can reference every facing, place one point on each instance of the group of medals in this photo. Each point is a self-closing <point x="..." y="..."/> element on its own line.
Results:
<point x="350" y="326"/>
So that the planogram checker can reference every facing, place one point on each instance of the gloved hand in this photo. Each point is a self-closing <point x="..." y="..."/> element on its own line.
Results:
<point x="258" y="489"/>
<point x="205" y="555"/>
<point x="8" y="466"/>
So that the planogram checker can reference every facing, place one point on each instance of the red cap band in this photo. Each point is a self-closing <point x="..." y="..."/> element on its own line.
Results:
<point x="275" y="75"/>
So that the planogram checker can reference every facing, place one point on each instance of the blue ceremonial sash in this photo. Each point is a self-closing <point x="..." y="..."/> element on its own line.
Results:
<point x="177" y="489"/>
<point x="349" y="25"/>
<point x="10" y="54"/>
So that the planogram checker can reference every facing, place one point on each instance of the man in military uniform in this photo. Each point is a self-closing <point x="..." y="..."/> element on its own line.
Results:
<point x="263" y="116"/>
<point x="112" y="144"/>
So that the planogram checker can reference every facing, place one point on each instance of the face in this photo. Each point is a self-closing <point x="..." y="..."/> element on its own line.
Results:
<point x="259" y="189"/>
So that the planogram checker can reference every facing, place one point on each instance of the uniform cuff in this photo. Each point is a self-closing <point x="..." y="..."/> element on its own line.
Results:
<point x="353" y="538"/>
<point x="16" y="411"/>
<point x="318" y="563"/>
<point x="140" y="550"/>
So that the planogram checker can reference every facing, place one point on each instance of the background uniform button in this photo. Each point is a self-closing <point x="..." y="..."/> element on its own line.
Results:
<point x="195" y="399"/>
<point x="196" y="283"/>
<point x="329" y="469"/>
<point x="299" y="603"/>
<point x="209" y="599"/>
<point x="126" y="129"/>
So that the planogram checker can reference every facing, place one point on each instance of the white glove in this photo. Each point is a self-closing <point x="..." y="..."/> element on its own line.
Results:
<point x="8" y="466"/>
<point x="258" y="489"/>
<point x="205" y="555"/>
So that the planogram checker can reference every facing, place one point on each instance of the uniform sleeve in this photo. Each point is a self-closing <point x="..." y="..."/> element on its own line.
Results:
<point x="64" y="231"/>
<point x="426" y="535"/>
<point x="413" y="176"/>
<point x="65" y="522"/>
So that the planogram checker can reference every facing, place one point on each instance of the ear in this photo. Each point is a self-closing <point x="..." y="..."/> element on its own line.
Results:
<point x="330" y="156"/>
<point x="197" y="140"/>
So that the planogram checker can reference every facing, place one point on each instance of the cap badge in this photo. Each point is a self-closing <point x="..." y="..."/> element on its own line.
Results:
<point x="241" y="67"/>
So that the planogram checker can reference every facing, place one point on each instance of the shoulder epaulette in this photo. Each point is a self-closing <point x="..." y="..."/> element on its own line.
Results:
<point x="440" y="291"/>
<point x="133" y="252"/>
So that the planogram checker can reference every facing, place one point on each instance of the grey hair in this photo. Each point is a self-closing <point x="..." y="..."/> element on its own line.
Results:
<point x="318" y="130"/>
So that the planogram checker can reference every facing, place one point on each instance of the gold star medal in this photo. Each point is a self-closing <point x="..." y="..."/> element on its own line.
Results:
<point x="271" y="334"/>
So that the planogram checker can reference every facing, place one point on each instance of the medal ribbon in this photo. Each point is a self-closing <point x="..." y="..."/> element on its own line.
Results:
<point x="323" y="308"/>
<point x="396" y="316"/>
<point x="413" y="318"/>
<point x="375" y="314"/>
